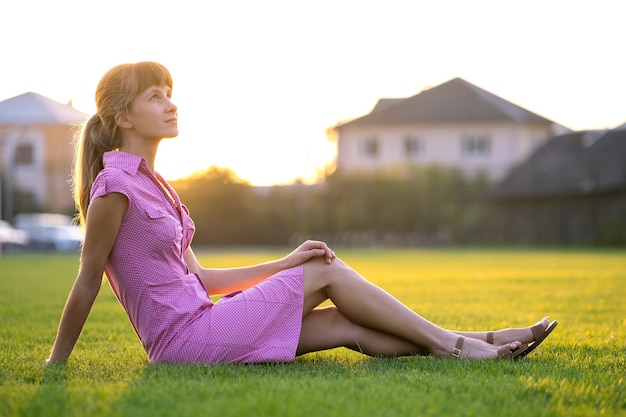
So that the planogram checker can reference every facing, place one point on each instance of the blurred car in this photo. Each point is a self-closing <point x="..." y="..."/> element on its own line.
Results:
<point x="12" y="238"/>
<point x="50" y="231"/>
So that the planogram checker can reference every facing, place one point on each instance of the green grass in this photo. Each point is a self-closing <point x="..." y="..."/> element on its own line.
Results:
<point x="578" y="371"/>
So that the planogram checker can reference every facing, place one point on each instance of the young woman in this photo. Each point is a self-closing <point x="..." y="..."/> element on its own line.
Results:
<point x="138" y="233"/>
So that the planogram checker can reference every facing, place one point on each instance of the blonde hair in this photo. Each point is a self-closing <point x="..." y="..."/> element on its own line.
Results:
<point x="99" y="134"/>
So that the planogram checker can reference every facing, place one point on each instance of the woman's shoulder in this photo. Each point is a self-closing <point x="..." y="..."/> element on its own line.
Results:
<point x="111" y="180"/>
<point x="114" y="175"/>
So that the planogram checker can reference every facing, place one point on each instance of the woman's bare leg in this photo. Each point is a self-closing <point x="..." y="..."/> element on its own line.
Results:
<point x="326" y="328"/>
<point x="504" y="336"/>
<point x="370" y="307"/>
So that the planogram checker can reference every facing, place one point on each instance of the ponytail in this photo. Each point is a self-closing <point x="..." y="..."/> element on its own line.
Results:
<point x="96" y="137"/>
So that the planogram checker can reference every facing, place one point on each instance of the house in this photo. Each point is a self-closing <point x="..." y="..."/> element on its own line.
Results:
<point x="572" y="190"/>
<point x="455" y="124"/>
<point x="36" y="154"/>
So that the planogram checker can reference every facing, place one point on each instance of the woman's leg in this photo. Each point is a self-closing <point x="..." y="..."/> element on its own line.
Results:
<point x="326" y="328"/>
<point x="370" y="307"/>
<point x="503" y="336"/>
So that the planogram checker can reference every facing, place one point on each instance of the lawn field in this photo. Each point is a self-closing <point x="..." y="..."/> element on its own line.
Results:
<point x="580" y="370"/>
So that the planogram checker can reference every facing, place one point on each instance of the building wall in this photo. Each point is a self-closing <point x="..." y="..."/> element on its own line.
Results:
<point x="60" y="156"/>
<point x="43" y="173"/>
<point x="509" y="144"/>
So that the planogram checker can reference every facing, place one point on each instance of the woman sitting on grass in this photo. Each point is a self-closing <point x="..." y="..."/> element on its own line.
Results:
<point x="138" y="233"/>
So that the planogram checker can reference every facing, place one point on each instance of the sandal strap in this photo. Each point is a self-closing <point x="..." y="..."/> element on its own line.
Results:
<point x="538" y="331"/>
<point x="490" y="338"/>
<point x="456" y="352"/>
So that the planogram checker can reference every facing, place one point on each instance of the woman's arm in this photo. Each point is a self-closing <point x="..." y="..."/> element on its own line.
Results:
<point x="104" y="219"/>
<point x="224" y="280"/>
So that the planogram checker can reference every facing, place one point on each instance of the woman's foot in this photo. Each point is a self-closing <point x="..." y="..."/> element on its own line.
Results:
<point x="469" y="348"/>
<point x="525" y="334"/>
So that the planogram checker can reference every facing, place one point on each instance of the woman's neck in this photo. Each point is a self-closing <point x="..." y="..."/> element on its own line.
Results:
<point x="146" y="151"/>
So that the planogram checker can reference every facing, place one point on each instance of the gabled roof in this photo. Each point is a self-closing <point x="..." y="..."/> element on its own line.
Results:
<point x="32" y="109"/>
<point x="577" y="163"/>
<point x="453" y="101"/>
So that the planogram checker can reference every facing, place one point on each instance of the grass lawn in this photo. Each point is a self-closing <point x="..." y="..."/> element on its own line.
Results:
<point x="579" y="370"/>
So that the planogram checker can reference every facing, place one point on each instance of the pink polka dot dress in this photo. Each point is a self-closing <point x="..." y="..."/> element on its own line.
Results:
<point x="167" y="305"/>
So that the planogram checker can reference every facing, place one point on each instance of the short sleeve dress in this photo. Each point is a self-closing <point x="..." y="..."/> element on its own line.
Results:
<point x="167" y="305"/>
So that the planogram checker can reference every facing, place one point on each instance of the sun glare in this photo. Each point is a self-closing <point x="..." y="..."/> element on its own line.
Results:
<point x="182" y="156"/>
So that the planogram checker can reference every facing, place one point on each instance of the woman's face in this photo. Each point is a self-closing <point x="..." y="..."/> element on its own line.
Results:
<point x="152" y="114"/>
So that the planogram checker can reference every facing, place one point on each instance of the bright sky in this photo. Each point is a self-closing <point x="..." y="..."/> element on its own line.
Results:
<point x="258" y="82"/>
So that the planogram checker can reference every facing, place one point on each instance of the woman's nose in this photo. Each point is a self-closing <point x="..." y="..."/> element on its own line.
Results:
<point x="172" y="108"/>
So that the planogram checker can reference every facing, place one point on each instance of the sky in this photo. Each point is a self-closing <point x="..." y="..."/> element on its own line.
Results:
<point x="257" y="83"/>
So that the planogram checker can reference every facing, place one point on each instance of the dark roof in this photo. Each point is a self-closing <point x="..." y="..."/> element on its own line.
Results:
<point x="32" y="109"/>
<point x="573" y="164"/>
<point x="622" y="126"/>
<point x="385" y="103"/>
<point x="453" y="101"/>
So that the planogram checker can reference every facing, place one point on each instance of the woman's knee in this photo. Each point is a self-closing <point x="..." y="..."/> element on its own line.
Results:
<point x="318" y="278"/>
<point x="319" y="271"/>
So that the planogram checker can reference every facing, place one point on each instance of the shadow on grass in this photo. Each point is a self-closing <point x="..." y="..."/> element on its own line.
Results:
<point x="327" y="384"/>
<point x="52" y="396"/>
<point x="551" y="381"/>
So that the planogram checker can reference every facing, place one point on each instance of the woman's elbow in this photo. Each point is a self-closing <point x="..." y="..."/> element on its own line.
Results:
<point x="89" y="286"/>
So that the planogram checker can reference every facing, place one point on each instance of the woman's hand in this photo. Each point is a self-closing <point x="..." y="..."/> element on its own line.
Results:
<point x="309" y="250"/>
<point x="225" y="280"/>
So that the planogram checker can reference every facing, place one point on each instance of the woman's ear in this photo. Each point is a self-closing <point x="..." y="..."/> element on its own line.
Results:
<point x="122" y="121"/>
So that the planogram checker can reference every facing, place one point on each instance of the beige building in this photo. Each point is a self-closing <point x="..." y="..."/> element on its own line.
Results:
<point x="36" y="154"/>
<point x="454" y="124"/>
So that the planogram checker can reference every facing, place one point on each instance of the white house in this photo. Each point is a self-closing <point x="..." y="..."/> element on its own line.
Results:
<point x="36" y="154"/>
<point x="454" y="124"/>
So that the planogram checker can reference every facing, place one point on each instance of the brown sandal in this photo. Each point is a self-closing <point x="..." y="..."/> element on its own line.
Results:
<point x="537" y="329"/>
<point x="504" y="352"/>
<point x="540" y="336"/>
<point x="456" y="352"/>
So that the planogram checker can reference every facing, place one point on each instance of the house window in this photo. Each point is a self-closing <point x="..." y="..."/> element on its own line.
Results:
<point x="475" y="145"/>
<point x="23" y="155"/>
<point x="369" y="148"/>
<point x="413" y="147"/>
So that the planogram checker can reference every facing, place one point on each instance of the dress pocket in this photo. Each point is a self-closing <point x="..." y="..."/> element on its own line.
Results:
<point x="161" y="224"/>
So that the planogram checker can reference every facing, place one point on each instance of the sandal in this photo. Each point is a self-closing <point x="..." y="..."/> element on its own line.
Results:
<point x="537" y="329"/>
<point x="504" y="352"/>
<point x="540" y="335"/>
